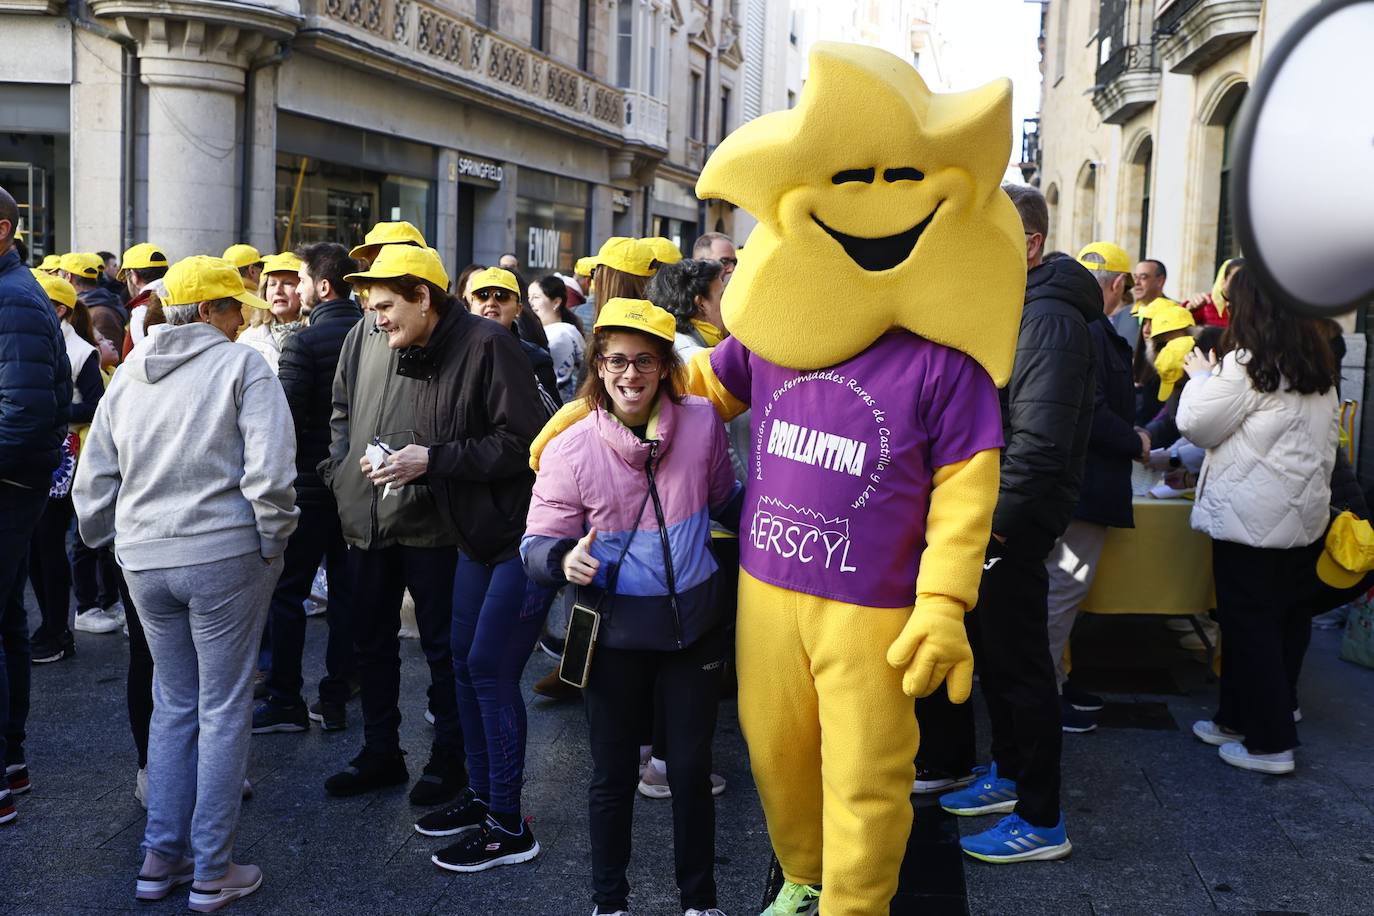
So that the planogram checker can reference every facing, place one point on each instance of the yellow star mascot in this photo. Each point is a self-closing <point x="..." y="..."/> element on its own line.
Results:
<point x="873" y="313"/>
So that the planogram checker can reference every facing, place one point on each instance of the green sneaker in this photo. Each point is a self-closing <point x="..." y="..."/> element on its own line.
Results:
<point x="796" y="900"/>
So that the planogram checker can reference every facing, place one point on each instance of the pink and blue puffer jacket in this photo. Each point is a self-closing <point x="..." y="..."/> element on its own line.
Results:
<point x="596" y="474"/>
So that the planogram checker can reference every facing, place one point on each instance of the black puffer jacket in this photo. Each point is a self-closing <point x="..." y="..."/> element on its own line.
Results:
<point x="478" y="415"/>
<point x="1106" y="495"/>
<point x="1047" y="408"/>
<point x="35" y="379"/>
<point x="308" y="363"/>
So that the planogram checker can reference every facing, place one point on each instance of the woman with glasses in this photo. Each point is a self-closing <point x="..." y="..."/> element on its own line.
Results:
<point x="622" y="509"/>
<point x="495" y="293"/>
<point x="478" y="411"/>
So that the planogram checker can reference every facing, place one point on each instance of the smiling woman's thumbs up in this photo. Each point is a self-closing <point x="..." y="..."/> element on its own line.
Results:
<point x="579" y="566"/>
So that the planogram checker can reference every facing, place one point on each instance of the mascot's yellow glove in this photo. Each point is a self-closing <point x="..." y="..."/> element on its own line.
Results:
<point x="933" y="645"/>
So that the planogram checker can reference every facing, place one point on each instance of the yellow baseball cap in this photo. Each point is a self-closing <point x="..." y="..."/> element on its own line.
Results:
<point x="83" y="264"/>
<point x="286" y="262"/>
<point x="405" y="261"/>
<point x="242" y="256"/>
<point x="399" y="233"/>
<point x="665" y="252"/>
<point x="1169" y="316"/>
<point x="585" y="266"/>
<point x="201" y="278"/>
<point x="494" y="277"/>
<point x="1348" y="553"/>
<point x="58" y="290"/>
<point x="626" y="255"/>
<point x="52" y="262"/>
<point x="1169" y="364"/>
<point x="1113" y="258"/>
<point x="637" y="315"/>
<point x="141" y="257"/>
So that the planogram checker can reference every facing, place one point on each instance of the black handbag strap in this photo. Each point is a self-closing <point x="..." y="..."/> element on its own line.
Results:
<point x="613" y="574"/>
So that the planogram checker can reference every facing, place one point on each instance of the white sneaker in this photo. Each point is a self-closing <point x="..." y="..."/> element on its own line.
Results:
<point x="1235" y="754"/>
<point x="653" y="783"/>
<point x="1211" y="733"/>
<point x="95" y="620"/>
<point x="116" y="611"/>
<point x="141" y="787"/>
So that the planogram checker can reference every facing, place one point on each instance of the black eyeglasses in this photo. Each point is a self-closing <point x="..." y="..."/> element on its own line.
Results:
<point x="730" y="262"/>
<point x="500" y="295"/>
<point x="646" y="363"/>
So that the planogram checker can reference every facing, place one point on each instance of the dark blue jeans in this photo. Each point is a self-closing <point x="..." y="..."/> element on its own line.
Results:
<point x="498" y="614"/>
<point x="317" y="536"/>
<point x="19" y="512"/>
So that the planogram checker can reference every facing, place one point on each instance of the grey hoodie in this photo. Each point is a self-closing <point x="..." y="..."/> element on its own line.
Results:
<point x="191" y="456"/>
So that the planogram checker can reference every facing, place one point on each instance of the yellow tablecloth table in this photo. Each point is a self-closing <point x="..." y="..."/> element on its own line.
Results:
<point x="1161" y="566"/>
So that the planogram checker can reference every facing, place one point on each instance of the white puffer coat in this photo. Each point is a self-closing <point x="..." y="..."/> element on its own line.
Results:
<point x="1266" y="480"/>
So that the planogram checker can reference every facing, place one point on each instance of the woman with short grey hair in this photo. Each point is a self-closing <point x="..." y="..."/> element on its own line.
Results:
<point x="199" y="532"/>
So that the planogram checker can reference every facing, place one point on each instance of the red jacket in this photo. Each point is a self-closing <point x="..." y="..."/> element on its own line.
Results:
<point x="1207" y="314"/>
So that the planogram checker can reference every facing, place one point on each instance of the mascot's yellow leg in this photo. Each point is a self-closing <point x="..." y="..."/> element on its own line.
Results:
<point x="831" y="739"/>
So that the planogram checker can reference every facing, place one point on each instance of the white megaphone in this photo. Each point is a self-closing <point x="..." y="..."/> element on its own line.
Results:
<point x="1302" y="180"/>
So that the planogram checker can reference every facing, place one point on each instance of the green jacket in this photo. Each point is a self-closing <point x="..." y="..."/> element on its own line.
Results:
<point x="370" y="399"/>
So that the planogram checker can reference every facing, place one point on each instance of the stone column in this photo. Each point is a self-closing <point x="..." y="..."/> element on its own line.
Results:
<point x="444" y="237"/>
<point x="194" y="58"/>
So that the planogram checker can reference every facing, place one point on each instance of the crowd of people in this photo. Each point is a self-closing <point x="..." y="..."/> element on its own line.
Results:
<point x="213" y="435"/>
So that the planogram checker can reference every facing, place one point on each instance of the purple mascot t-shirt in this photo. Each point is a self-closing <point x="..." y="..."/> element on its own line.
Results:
<point x="841" y="462"/>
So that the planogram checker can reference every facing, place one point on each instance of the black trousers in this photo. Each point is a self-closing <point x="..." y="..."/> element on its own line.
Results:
<point x="1009" y="632"/>
<point x="20" y="509"/>
<point x="50" y="570"/>
<point x="139" y="683"/>
<point x="317" y="536"/>
<point x="95" y="575"/>
<point x="380" y="580"/>
<point x="619" y="698"/>
<point x="1264" y="606"/>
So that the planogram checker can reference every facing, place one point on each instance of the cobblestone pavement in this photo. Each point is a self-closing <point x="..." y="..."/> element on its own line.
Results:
<point x="1159" y="824"/>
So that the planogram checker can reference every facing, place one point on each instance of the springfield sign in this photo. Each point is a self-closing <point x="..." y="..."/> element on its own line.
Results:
<point x="481" y="169"/>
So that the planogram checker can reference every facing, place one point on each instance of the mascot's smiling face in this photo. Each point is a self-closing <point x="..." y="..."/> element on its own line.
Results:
<point x="879" y="206"/>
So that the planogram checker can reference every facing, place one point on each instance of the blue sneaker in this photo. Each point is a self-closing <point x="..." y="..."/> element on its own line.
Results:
<point x="1014" y="840"/>
<point x="989" y="795"/>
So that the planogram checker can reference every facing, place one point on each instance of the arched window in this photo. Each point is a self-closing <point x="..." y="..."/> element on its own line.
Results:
<point x="1146" y="177"/>
<point x="1052" y="201"/>
<point x="1085" y="208"/>
<point x="1228" y="246"/>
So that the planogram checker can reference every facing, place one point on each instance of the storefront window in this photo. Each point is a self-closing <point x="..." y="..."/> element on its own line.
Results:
<point x="550" y="222"/>
<point x="319" y="201"/>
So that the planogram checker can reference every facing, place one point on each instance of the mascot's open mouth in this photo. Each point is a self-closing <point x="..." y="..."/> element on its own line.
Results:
<point x="882" y="253"/>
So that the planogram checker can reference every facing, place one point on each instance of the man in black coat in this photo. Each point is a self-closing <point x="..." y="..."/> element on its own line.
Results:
<point x="309" y="360"/>
<point x="1047" y="410"/>
<point x="1105" y="498"/>
<point x="35" y="398"/>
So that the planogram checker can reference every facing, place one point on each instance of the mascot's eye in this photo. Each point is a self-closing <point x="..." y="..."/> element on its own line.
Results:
<point x="864" y="175"/>
<point x="903" y="174"/>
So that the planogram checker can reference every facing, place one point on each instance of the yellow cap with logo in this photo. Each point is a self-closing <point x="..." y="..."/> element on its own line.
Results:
<point x="664" y="251"/>
<point x="242" y="256"/>
<point x="1348" y="553"/>
<point x="494" y="278"/>
<point x="286" y="262"/>
<point x="395" y="261"/>
<point x="1169" y="316"/>
<point x="202" y="278"/>
<point x="637" y="315"/>
<point x="1110" y="258"/>
<point x="51" y="262"/>
<point x="83" y="264"/>
<point x="58" y="290"/>
<point x="630" y="256"/>
<point x="398" y="233"/>
<point x="141" y="257"/>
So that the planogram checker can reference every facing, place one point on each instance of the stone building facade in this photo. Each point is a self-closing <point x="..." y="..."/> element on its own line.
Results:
<point x="534" y="126"/>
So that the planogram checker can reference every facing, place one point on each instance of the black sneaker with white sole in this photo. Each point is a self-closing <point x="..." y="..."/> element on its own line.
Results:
<point x="47" y="650"/>
<point x="333" y="717"/>
<point x="17" y="778"/>
<point x="1075" y="721"/>
<point x="1081" y="700"/>
<point x="488" y="847"/>
<point x="467" y="813"/>
<point x="929" y="781"/>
